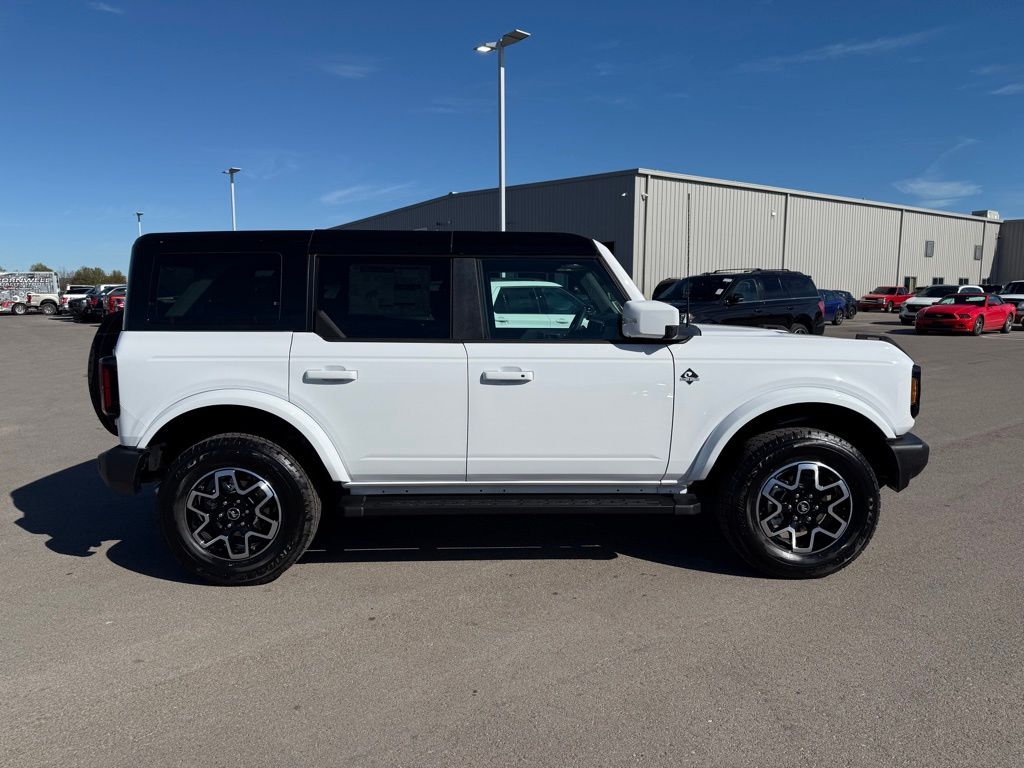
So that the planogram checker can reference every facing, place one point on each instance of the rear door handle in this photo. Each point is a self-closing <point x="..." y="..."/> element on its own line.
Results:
<point x="508" y="376"/>
<point x="329" y="374"/>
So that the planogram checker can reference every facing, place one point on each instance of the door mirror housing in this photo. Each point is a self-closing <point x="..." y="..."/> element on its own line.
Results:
<point x="649" y="320"/>
<point x="733" y="298"/>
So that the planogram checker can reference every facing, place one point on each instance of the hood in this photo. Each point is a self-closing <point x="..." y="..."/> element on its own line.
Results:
<point x="1011" y="296"/>
<point x="878" y="296"/>
<point x="922" y="301"/>
<point x="745" y="331"/>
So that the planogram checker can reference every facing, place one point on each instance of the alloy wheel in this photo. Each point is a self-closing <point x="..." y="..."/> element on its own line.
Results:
<point x="804" y="508"/>
<point x="231" y="514"/>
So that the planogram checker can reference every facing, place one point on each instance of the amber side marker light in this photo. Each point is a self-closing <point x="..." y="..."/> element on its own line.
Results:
<point x="915" y="391"/>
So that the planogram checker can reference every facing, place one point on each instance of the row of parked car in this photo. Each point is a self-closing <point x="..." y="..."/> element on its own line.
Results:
<point x="92" y="302"/>
<point x="967" y="308"/>
<point x="768" y="298"/>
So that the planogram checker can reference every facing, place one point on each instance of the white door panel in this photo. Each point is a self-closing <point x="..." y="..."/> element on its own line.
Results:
<point x="563" y="412"/>
<point x="395" y="410"/>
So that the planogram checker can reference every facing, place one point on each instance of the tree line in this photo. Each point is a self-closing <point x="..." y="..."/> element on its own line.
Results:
<point x="80" y="276"/>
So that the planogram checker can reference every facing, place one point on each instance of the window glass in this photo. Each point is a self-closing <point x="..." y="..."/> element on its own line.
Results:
<point x="384" y="297"/>
<point x="571" y="299"/>
<point x="799" y="286"/>
<point x="771" y="288"/>
<point x="746" y="289"/>
<point x="994" y="301"/>
<point x="215" y="290"/>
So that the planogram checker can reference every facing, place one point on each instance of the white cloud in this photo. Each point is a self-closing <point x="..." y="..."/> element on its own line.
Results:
<point x="359" y="193"/>
<point x="348" y="70"/>
<point x="1008" y="90"/>
<point x="931" y="189"/>
<point x="844" y="50"/>
<point x="104" y="8"/>
<point x="989" y="69"/>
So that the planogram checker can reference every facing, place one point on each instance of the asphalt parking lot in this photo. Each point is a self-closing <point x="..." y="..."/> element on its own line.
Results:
<point x="541" y="642"/>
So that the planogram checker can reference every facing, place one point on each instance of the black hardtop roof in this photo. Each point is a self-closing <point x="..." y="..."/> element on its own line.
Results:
<point x="365" y="241"/>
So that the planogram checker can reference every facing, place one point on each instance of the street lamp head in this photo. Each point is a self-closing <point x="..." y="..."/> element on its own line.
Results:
<point x="231" y="171"/>
<point x="485" y="47"/>
<point x="515" y="36"/>
<point x="139" y="214"/>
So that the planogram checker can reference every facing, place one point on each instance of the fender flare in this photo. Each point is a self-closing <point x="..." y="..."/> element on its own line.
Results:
<point x="260" y="401"/>
<point x="758" y="406"/>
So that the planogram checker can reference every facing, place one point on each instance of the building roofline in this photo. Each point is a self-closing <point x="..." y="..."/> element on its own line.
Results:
<point x="634" y="172"/>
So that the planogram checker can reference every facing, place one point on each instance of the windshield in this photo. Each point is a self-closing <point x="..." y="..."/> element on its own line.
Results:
<point x="702" y="288"/>
<point x="886" y="290"/>
<point x="935" y="291"/>
<point x="978" y="299"/>
<point x="1015" y="287"/>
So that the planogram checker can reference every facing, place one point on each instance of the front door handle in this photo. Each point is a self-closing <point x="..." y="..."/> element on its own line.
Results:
<point x="508" y="376"/>
<point x="329" y="374"/>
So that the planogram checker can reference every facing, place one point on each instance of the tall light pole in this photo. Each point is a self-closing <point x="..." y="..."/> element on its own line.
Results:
<point x="231" y="177"/>
<point x="509" y="38"/>
<point x="139" y="215"/>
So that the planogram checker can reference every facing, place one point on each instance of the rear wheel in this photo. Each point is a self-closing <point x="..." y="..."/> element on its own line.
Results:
<point x="19" y="309"/>
<point x="799" y="328"/>
<point x="49" y="308"/>
<point x="799" y="503"/>
<point x="979" y="326"/>
<point x="1008" y="325"/>
<point x="237" y="509"/>
<point x="838" y="317"/>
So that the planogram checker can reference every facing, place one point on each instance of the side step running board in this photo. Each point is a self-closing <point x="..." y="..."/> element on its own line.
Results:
<point x="520" y="504"/>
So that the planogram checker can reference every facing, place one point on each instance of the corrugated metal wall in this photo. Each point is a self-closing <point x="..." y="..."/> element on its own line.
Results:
<point x="841" y="246"/>
<point x="1009" y="263"/>
<point x="664" y="225"/>
<point x="953" y="258"/>
<point x="600" y="207"/>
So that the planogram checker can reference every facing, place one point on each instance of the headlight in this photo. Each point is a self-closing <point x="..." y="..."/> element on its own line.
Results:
<point x="964" y="315"/>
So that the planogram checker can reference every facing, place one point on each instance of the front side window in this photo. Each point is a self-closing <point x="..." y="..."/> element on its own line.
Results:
<point x="235" y="291"/>
<point x="744" y="290"/>
<point x="537" y="299"/>
<point x="384" y="297"/>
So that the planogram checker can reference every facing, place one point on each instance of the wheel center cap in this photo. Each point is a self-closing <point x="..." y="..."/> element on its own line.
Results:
<point x="803" y="507"/>
<point x="234" y="514"/>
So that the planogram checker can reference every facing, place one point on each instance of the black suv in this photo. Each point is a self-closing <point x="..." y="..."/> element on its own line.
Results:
<point x="769" y="298"/>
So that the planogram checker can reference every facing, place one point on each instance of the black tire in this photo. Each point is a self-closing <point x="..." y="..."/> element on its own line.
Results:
<point x="837" y="318"/>
<point x="906" y="322"/>
<point x="1008" y="325"/>
<point x="851" y="313"/>
<point x="979" y="327"/>
<point x="103" y="343"/>
<point x="740" y="513"/>
<point x="19" y="309"/>
<point x="48" y="308"/>
<point x="799" y="328"/>
<point x="295" y="502"/>
<point x="889" y="306"/>
<point x="920" y="331"/>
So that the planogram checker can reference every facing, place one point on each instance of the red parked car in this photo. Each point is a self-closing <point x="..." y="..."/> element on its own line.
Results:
<point x="972" y="313"/>
<point x="885" y="297"/>
<point x="115" y="301"/>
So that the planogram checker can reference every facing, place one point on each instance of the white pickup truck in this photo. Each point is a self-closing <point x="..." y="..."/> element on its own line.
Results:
<point x="264" y="378"/>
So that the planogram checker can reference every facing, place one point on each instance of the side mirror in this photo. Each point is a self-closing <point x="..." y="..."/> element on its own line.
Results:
<point x="733" y="298"/>
<point x="649" y="320"/>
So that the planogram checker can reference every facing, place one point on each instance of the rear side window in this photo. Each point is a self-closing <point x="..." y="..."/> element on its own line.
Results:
<point x="216" y="291"/>
<point x="772" y="288"/>
<point x="384" y="297"/>
<point x="799" y="286"/>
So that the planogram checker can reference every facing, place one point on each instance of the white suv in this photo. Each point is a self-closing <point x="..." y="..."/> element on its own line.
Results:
<point x="265" y="378"/>
<point x="1013" y="293"/>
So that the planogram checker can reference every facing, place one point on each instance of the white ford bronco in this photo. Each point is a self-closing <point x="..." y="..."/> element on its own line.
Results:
<point x="265" y="378"/>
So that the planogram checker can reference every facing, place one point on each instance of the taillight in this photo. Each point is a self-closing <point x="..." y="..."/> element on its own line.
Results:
<point x="821" y="307"/>
<point x="109" y="401"/>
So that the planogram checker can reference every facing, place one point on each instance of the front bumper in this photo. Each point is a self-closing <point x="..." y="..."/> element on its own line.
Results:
<point x="123" y="468"/>
<point x="908" y="457"/>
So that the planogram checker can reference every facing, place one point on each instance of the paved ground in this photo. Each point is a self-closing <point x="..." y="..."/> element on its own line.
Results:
<point x="513" y="642"/>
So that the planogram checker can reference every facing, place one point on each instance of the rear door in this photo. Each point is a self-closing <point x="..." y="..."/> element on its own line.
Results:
<point x="380" y="370"/>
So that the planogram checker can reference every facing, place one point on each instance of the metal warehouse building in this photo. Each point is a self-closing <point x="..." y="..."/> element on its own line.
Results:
<point x="661" y="224"/>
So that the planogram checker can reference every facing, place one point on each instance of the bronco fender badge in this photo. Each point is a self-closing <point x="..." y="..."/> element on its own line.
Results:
<point x="689" y="376"/>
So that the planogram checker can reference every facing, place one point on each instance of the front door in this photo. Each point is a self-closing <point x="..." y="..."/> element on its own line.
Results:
<point x="569" y="403"/>
<point x="381" y="373"/>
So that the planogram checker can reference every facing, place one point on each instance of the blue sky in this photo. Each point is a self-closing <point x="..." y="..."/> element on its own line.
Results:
<point x="337" y="110"/>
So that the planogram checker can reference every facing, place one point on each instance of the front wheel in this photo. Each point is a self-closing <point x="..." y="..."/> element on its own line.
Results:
<point x="979" y="326"/>
<point x="799" y="503"/>
<point x="19" y="309"/>
<point x="888" y="306"/>
<point x="237" y="509"/>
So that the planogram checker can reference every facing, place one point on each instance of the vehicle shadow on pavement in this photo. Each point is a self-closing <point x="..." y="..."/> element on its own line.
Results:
<point x="683" y="542"/>
<point x="79" y="513"/>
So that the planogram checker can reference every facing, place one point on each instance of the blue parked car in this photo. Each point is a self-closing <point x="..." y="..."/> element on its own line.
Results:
<point x="835" y="306"/>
